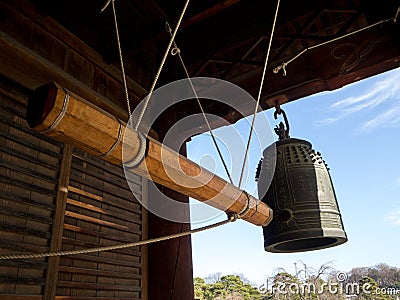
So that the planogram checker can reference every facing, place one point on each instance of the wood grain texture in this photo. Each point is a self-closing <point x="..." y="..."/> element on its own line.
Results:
<point x="98" y="210"/>
<point x="29" y="168"/>
<point x="58" y="223"/>
<point x="20" y="297"/>
<point x="96" y="217"/>
<point x="95" y="131"/>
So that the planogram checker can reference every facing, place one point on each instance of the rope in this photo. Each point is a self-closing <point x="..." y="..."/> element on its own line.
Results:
<point x="259" y="94"/>
<point x="141" y="152"/>
<point x="177" y="51"/>
<point x="142" y="147"/>
<point x="285" y="64"/>
<point x="246" y="209"/>
<point x="146" y="102"/>
<point x="120" y="59"/>
<point x="61" y="115"/>
<point x="116" y="143"/>
<point x="231" y="218"/>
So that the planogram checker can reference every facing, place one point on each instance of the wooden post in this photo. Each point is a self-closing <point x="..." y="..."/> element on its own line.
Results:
<point x="145" y="249"/>
<point x="96" y="132"/>
<point x="170" y="266"/>
<point x="58" y="224"/>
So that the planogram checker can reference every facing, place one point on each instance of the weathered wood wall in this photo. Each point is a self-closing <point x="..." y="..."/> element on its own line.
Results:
<point x="34" y="49"/>
<point x="100" y="211"/>
<point x="36" y="216"/>
<point x="29" y="169"/>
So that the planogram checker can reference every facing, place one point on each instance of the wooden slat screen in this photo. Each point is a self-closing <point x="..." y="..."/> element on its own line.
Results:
<point x="100" y="211"/>
<point x="29" y="170"/>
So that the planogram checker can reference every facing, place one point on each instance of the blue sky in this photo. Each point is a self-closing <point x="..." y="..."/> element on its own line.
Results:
<point x="356" y="128"/>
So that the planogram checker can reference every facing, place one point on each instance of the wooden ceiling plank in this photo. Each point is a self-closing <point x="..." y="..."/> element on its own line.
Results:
<point x="153" y="36"/>
<point x="293" y="37"/>
<point x="338" y="10"/>
<point x="248" y="52"/>
<point x="147" y="7"/>
<point x="208" y="13"/>
<point x="316" y="16"/>
<point x="348" y="23"/>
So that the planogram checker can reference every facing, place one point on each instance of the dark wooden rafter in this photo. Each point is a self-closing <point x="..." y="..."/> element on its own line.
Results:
<point x="248" y="52"/>
<point x="304" y="35"/>
<point x="70" y="59"/>
<point x="232" y="63"/>
<point x="148" y="8"/>
<point x="280" y="57"/>
<point x="295" y="36"/>
<point x="316" y="16"/>
<point x="208" y="12"/>
<point x="324" y="71"/>
<point x="291" y="36"/>
<point x="344" y="29"/>
<point x="221" y="63"/>
<point x="154" y="35"/>
<point x="237" y="56"/>
<point x="229" y="61"/>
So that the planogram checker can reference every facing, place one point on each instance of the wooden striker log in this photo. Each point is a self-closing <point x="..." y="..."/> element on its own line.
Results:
<point x="66" y="117"/>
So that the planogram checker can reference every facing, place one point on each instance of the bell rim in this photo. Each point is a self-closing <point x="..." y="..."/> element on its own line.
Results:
<point x="337" y="236"/>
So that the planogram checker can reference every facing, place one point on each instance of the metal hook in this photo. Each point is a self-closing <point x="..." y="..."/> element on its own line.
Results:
<point x="280" y="130"/>
<point x="277" y="108"/>
<point x="105" y="6"/>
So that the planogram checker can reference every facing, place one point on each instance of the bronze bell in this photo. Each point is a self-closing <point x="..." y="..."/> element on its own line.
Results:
<point x="301" y="194"/>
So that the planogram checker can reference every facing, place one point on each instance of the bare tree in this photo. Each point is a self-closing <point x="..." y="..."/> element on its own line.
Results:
<point x="213" y="278"/>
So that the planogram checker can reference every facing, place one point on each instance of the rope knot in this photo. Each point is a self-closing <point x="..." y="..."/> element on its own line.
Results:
<point x="246" y="209"/>
<point x="175" y="50"/>
<point x="233" y="217"/>
<point x="280" y="67"/>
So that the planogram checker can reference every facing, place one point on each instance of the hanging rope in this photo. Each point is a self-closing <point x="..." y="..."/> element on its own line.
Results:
<point x="146" y="102"/>
<point x="177" y="51"/>
<point x="231" y="218"/>
<point x="142" y="146"/>
<point x="285" y="64"/>
<point x="259" y="95"/>
<point x="120" y="57"/>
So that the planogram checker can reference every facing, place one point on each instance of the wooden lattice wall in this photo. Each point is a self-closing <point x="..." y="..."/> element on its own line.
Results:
<point x="38" y="215"/>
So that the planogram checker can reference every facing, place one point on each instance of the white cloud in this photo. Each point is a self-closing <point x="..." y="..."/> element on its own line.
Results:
<point x="390" y="117"/>
<point x="353" y="100"/>
<point x="383" y="93"/>
<point x="326" y="121"/>
<point x="394" y="218"/>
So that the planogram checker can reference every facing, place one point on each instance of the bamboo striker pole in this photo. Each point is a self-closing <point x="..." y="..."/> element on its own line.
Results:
<point x="87" y="127"/>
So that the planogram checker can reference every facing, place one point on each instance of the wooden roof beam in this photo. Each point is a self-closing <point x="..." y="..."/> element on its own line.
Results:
<point x="156" y="35"/>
